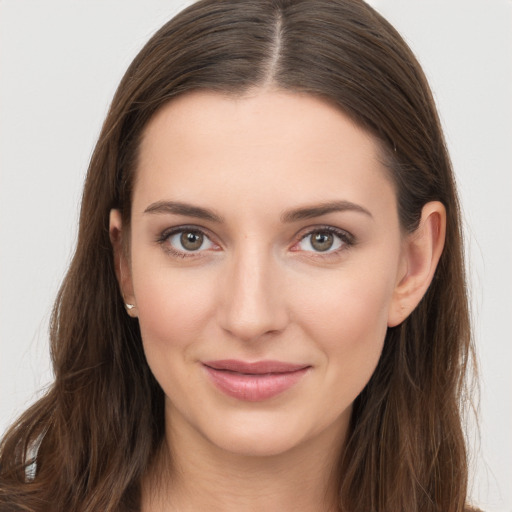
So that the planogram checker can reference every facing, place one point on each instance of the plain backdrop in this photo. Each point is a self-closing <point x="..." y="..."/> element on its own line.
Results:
<point x="60" y="62"/>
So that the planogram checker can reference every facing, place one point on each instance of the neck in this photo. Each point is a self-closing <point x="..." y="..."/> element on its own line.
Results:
<point x="192" y="474"/>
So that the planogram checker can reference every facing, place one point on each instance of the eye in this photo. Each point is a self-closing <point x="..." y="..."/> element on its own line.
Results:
<point x="324" y="240"/>
<point x="184" y="241"/>
<point x="188" y="241"/>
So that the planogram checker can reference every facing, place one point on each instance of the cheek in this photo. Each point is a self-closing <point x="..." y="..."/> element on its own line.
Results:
<point x="347" y="320"/>
<point x="172" y="308"/>
<point x="347" y="307"/>
<point x="173" y="315"/>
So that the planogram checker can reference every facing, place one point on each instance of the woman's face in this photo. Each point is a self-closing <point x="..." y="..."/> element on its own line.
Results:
<point x="265" y="251"/>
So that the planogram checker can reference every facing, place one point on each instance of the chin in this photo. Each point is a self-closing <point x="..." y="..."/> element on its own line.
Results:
<point x="271" y="433"/>
<point x="258" y="444"/>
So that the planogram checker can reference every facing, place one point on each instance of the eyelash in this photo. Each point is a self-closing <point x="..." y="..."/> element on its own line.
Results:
<point x="347" y="239"/>
<point x="163" y="240"/>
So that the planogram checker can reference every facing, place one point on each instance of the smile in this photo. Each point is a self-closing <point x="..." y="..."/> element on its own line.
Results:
<point x="253" y="382"/>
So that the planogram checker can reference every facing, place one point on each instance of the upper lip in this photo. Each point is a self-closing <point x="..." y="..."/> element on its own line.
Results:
<point x="254" y="368"/>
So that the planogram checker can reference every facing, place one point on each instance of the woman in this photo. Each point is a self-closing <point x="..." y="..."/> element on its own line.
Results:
<point x="266" y="308"/>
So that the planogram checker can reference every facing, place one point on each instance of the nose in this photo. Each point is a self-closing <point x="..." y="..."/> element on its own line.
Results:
<point x="253" y="302"/>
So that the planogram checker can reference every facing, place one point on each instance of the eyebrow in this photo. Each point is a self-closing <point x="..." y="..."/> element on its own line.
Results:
<point x="317" y="210"/>
<point x="186" y="209"/>
<point x="297" y="214"/>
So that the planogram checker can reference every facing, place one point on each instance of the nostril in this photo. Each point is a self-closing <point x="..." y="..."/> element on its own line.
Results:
<point x="250" y="322"/>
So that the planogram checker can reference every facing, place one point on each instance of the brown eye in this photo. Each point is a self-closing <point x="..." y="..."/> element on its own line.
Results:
<point x="191" y="241"/>
<point x="186" y="242"/>
<point x="322" y="241"/>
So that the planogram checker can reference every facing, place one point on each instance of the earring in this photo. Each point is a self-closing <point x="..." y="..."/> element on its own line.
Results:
<point x="129" y="306"/>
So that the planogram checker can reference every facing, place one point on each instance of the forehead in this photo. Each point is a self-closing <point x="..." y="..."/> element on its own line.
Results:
<point x="259" y="115"/>
<point x="290" y="146"/>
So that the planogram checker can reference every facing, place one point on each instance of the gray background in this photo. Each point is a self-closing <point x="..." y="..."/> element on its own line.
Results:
<point x="60" y="62"/>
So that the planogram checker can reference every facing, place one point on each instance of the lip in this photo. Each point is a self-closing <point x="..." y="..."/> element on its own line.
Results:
<point x="253" y="381"/>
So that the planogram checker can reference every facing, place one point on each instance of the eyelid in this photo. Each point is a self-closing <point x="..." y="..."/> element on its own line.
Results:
<point x="164" y="236"/>
<point x="347" y="238"/>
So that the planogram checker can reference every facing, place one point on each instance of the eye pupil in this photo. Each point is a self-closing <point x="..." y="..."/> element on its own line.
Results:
<point x="191" y="241"/>
<point x="322" y="241"/>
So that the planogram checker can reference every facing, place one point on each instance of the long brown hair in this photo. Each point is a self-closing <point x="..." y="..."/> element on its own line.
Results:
<point x="88" y="442"/>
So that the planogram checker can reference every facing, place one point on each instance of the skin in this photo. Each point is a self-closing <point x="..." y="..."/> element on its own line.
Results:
<point x="257" y="289"/>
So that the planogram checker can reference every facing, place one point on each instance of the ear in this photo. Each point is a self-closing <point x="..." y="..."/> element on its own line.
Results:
<point x="420" y="256"/>
<point x="121" y="261"/>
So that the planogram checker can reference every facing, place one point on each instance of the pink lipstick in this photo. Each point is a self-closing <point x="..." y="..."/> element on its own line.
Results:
<point x="253" y="382"/>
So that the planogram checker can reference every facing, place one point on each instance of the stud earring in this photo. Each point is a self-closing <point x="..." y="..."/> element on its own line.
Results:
<point x="129" y="306"/>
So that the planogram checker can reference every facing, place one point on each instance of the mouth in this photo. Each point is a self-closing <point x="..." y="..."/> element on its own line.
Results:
<point x="254" y="381"/>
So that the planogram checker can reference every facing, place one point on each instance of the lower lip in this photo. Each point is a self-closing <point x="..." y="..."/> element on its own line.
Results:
<point x="254" y="387"/>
